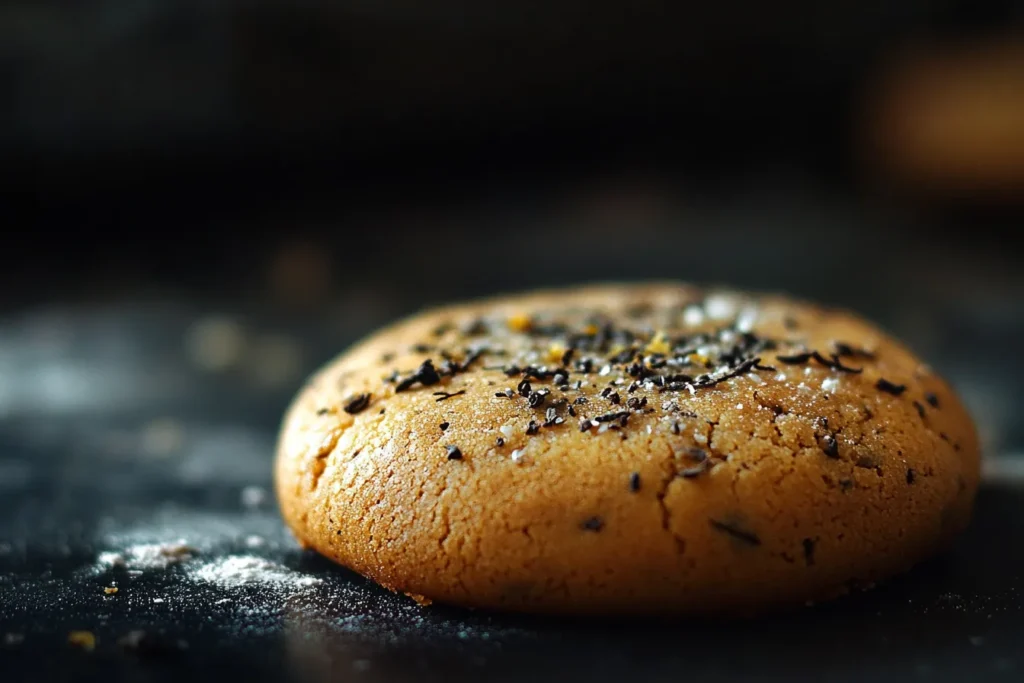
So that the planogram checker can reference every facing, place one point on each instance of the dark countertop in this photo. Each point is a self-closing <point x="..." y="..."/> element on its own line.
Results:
<point x="117" y="434"/>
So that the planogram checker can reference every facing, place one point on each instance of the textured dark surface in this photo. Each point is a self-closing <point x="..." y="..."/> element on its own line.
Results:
<point x="113" y="436"/>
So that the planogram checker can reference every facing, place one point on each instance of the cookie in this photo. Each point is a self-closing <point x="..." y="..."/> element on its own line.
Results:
<point x="627" y="449"/>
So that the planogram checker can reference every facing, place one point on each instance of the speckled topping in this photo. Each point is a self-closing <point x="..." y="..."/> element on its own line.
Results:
<point x="627" y="448"/>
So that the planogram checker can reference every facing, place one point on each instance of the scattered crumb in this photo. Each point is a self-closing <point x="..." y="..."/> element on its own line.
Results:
<point x="85" y="640"/>
<point x="110" y="590"/>
<point x="421" y="600"/>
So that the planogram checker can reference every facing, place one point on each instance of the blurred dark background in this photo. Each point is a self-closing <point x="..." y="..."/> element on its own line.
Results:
<point x="182" y="144"/>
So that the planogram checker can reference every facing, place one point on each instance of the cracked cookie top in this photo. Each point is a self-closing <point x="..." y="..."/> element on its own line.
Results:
<point x="626" y="448"/>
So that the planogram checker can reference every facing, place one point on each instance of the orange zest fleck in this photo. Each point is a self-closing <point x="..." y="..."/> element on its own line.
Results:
<point x="520" y="322"/>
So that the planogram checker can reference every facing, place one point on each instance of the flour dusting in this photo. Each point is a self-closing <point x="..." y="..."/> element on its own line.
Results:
<point x="147" y="556"/>
<point x="241" y="570"/>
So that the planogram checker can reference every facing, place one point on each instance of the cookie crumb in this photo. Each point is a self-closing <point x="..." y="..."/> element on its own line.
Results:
<point x="85" y="640"/>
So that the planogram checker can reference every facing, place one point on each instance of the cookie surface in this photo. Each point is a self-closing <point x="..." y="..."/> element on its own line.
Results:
<point x="627" y="449"/>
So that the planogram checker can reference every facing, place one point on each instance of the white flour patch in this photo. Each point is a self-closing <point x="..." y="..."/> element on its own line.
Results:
<point x="147" y="556"/>
<point x="241" y="570"/>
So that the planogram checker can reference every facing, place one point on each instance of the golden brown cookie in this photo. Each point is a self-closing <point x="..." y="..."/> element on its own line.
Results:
<point x="627" y="449"/>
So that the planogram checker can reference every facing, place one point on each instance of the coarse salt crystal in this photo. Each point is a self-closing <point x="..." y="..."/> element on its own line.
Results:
<point x="720" y="306"/>
<point x="693" y="315"/>
<point x="746" y="319"/>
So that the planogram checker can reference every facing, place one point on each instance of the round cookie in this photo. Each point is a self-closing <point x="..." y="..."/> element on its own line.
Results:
<point x="627" y="449"/>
